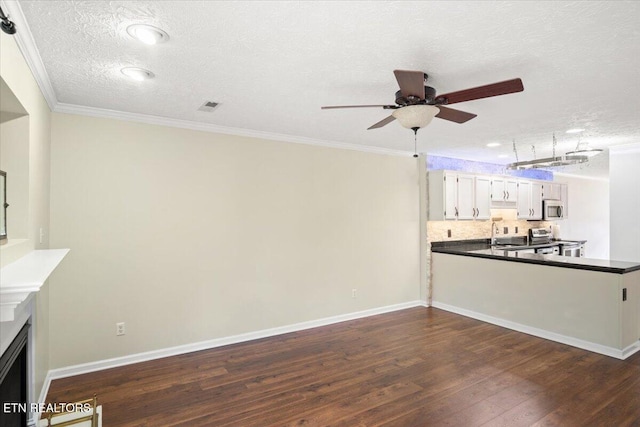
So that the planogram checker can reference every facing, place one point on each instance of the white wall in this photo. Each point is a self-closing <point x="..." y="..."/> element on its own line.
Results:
<point x="588" y="208"/>
<point x="624" y="176"/>
<point x="188" y="236"/>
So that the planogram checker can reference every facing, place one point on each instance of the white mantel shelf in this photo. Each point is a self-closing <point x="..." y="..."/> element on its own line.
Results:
<point x="25" y="276"/>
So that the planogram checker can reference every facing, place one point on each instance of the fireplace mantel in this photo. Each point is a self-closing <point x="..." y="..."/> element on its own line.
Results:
<point x="25" y="276"/>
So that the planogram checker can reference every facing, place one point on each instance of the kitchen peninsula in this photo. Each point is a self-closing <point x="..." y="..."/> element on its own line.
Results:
<point x="587" y="303"/>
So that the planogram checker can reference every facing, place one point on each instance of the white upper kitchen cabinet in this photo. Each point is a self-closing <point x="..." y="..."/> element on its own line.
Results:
<point x="482" y="197"/>
<point x="553" y="190"/>
<point x="458" y="195"/>
<point x="529" y="199"/>
<point x="448" y="182"/>
<point x="465" y="205"/>
<point x="504" y="192"/>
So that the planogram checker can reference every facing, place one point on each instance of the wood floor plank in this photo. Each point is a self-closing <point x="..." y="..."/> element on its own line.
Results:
<point x="410" y="368"/>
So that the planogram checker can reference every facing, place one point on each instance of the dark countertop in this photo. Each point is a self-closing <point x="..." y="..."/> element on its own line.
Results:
<point x="481" y="248"/>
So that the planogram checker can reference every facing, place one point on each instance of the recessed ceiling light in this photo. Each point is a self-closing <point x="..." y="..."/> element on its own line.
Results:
<point x="576" y="130"/>
<point x="147" y="33"/>
<point x="493" y="144"/>
<point x="138" y="74"/>
<point x="503" y="156"/>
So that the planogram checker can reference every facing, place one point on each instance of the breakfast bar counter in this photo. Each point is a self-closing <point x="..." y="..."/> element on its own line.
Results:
<point x="482" y="248"/>
<point x="587" y="303"/>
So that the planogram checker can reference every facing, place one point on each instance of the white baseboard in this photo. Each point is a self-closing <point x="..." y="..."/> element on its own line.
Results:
<point x="542" y="333"/>
<point x="632" y="349"/>
<point x="99" y="365"/>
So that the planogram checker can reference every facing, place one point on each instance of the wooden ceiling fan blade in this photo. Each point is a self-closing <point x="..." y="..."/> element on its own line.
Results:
<point x="382" y="122"/>
<point x="411" y="83"/>
<point x="357" y="106"/>
<point x="452" y="115"/>
<point x="487" y="91"/>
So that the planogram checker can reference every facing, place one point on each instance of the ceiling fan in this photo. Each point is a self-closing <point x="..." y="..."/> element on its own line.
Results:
<point x="417" y="104"/>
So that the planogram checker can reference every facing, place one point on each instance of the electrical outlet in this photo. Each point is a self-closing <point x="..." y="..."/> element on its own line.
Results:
<point x="120" y="328"/>
<point x="516" y="230"/>
<point x="448" y="233"/>
<point x="354" y="293"/>
<point x="506" y="230"/>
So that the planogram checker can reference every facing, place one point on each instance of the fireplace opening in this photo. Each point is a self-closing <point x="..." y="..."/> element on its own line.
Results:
<point x="13" y="382"/>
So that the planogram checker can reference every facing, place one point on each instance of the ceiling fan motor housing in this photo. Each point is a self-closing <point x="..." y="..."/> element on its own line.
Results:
<point x="429" y="96"/>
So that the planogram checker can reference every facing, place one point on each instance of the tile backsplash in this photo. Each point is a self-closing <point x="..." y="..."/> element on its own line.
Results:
<point x="438" y="231"/>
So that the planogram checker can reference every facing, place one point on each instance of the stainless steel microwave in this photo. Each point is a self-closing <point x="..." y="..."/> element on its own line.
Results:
<point x="552" y="210"/>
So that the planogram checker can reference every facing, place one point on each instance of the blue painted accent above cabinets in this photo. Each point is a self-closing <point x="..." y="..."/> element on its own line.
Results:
<point x="448" y="163"/>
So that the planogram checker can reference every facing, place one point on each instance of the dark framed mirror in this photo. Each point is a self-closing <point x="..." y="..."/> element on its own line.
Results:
<point x="3" y="205"/>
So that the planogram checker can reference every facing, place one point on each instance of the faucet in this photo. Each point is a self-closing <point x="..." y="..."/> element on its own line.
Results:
<point x="494" y="229"/>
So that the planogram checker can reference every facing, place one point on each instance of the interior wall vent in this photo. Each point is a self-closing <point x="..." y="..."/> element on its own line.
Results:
<point x="208" y="106"/>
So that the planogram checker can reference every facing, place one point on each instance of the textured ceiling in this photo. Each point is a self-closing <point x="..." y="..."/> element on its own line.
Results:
<point x="271" y="65"/>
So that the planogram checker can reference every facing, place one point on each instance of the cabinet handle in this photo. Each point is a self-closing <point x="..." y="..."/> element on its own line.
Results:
<point x="507" y="195"/>
<point x="456" y="211"/>
<point x="504" y="195"/>
<point x="475" y="214"/>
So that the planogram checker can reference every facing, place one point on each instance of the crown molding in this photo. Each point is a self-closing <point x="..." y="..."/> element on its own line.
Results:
<point x="29" y="50"/>
<point x="31" y="54"/>
<point x="208" y="127"/>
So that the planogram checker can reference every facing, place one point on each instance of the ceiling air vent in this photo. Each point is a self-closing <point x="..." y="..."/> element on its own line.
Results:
<point x="208" y="106"/>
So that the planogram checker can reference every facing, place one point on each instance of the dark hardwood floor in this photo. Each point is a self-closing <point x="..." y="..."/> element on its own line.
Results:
<point x="416" y="367"/>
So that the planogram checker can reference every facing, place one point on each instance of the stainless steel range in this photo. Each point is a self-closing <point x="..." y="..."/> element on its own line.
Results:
<point x="539" y="241"/>
<point x="542" y="236"/>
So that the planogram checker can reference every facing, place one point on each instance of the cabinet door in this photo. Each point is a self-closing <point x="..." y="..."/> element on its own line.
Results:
<point x="536" y="200"/>
<point x="552" y="190"/>
<point x="466" y="184"/>
<point x="498" y="192"/>
<point x="450" y="196"/>
<point x="483" y="197"/>
<point x="524" y="199"/>
<point x="511" y="190"/>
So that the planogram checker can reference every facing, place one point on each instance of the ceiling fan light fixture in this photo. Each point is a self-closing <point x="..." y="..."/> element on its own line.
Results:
<point x="138" y="74"/>
<point x="147" y="34"/>
<point x="415" y="116"/>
